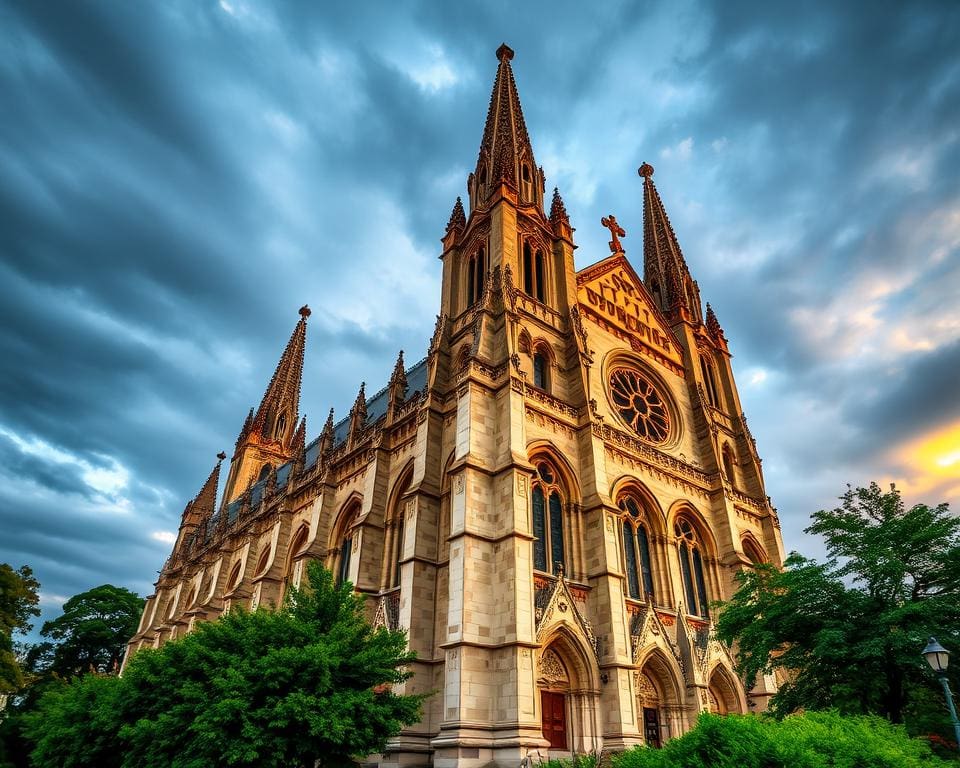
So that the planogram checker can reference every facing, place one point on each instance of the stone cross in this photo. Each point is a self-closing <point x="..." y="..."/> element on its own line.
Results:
<point x="616" y="232"/>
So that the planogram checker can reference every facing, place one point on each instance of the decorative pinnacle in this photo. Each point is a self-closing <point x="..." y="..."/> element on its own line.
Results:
<point x="645" y="170"/>
<point x="305" y="312"/>
<point x="558" y="210"/>
<point x="221" y="455"/>
<point x="504" y="52"/>
<point x="458" y="219"/>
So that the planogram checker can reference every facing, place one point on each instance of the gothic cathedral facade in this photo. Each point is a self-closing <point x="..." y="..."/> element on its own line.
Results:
<point x="548" y="503"/>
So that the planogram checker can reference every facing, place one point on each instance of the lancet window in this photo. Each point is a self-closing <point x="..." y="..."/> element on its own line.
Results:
<point x="709" y="382"/>
<point x="541" y="369"/>
<point x="393" y="535"/>
<point x="548" y="501"/>
<point x="636" y="551"/>
<point x="280" y="426"/>
<point x="344" y="544"/>
<point x="476" y="276"/>
<point x="690" y="552"/>
<point x="534" y="273"/>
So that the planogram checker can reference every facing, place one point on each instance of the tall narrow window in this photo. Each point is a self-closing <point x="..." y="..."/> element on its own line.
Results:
<point x="476" y="268"/>
<point x="540" y="366"/>
<point x="280" y="427"/>
<point x="636" y="548"/>
<point x="630" y="556"/>
<point x="539" y="530"/>
<point x="709" y="382"/>
<point x="398" y="552"/>
<point x="690" y="551"/>
<point x="547" y="498"/>
<point x="343" y="572"/>
<point x="527" y="270"/>
<point x="728" y="465"/>
<point x="541" y="282"/>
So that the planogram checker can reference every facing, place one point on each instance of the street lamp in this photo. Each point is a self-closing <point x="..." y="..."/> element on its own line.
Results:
<point x="938" y="657"/>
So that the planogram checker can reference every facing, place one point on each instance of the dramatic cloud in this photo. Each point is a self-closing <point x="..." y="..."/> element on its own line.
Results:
<point x="177" y="179"/>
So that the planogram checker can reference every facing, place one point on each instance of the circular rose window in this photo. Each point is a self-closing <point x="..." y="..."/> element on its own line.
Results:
<point x="639" y="404"/>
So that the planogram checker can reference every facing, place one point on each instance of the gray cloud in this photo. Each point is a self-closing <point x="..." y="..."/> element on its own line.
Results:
<point x="176" y="180"/>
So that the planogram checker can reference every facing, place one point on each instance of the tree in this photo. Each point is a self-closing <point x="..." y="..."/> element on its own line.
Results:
<point x="92" y="632"/>
<point x="18" y="604"/>
<point x="850" y="630"/>
<point x="309" y="682"/>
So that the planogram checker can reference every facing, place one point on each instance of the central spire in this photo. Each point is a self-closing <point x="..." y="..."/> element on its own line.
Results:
<point x="506" y="155"/>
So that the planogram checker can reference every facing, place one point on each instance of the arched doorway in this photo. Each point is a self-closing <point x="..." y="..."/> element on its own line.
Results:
<point x="660" y="712"/>
<point x="568" y="697"/>
<point x="723" y="693"/>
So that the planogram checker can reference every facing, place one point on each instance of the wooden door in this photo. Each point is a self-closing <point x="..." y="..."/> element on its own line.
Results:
<point x="651" y="727"/>
<point x="554" y="707"/>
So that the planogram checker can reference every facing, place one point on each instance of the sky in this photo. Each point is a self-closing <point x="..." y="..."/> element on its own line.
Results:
<point x="178" y="178"/>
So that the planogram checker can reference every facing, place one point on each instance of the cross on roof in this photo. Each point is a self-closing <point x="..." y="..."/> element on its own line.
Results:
<point x="616" y="232"/>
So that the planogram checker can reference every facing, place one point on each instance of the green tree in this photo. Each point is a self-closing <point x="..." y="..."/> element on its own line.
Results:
<point x="18" y="604"/>
<point x="310" y="681"/>
<point x="850" y="630"/>
<point x="76" y="725"/>
<point x="91" y="634"/>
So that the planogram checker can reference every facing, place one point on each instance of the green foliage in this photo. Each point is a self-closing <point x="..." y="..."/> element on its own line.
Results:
<point x="92" y="632"/>
<point x="18" y="604"/>
<point x="577" y="761"/>
<point x="268" y="688"/>
<point x="851" y="630"/>
<point x="75" y="725"/>
<point x="810" y="740"/>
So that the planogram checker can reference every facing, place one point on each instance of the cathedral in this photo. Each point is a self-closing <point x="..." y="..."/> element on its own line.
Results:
<point x="548" y="503"/>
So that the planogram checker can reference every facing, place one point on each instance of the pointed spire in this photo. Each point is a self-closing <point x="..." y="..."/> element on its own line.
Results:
<point x="206" y="500"/>
<point x="299" y="442"/>
<point x="713" y="325"/>
<point x="245" y="429"/>
<point x="558" y="211"/>
<point x="359" y="410"/>
<point x="281" y="401"/>
<point x="665" y="271"/>
<point x="328" y="425"/>
<point x="505" y="140"/>
<point x="398" y="379"/>
<point x="458" y="219"/>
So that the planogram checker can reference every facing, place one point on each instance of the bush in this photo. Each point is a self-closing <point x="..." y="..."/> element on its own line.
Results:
<point x="810" y="740"/>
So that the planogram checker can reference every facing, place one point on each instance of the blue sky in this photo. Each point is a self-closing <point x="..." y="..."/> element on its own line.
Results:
<point x="178" y="178"/>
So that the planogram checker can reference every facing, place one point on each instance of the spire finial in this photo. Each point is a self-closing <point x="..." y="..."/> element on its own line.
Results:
<point x="504" y="52"/>
<point x="305" y="312"/>
<point x="221" y="456"/>
<point x="645" y="170"/>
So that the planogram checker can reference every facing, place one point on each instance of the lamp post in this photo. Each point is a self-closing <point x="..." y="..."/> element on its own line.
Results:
<point x="938" y="657"/>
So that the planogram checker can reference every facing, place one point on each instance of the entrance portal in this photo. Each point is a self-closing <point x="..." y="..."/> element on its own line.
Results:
<point x="554" y="708"/>
<point x="651" y="727"/>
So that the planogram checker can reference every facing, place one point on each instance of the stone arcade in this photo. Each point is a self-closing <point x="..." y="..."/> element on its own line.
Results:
<point x="548" y="502"/>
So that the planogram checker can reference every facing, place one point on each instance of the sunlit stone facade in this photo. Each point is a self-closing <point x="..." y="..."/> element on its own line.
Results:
<point x="548" y="503"/>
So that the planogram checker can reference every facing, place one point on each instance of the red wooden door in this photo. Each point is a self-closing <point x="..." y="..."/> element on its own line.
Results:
<point x="554" y="719"/>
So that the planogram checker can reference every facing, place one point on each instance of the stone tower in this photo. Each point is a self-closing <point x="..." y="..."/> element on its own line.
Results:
<point x="548" y="503"/>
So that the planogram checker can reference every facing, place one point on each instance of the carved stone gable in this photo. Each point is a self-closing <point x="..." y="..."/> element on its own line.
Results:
<point x="550" y="670"/>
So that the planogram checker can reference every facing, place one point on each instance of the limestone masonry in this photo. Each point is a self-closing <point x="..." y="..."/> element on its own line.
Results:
<point x="548" y="503"/>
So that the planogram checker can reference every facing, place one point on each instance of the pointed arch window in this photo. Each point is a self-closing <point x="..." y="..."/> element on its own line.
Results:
<point x="729" y="465"/>
<point x="690" y="552"/>
<point x="541" y="369"/>
<point x="709" y="382"/>
<point x="476" y="276"/>
<point x="527" y="179"/>
<point x="264" y="472"/>
<point x="534" y="273"/>
<point x="280" y="426"/>
<point x="345" y="549"/>
<point x="636" y="551"/>
<point x="547" y="498"/>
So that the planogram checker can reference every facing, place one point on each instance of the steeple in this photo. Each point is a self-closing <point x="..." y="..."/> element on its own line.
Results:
<point x="274" y="420"/>
<point x="358" y="414"/>
<point x="202" y="505"/>
<point x="506" y="155"/>
<point x="665" y="271"/>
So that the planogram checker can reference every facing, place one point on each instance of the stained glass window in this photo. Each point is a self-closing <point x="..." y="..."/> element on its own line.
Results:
<point x="639" y="404"/>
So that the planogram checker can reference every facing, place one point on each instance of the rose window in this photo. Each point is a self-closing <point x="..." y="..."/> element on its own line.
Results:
<point x="639" y="404"/>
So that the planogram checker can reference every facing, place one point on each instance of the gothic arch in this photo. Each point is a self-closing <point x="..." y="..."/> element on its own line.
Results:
<point x="345" y="519"/>
<point x="659" y="687"/>
<point x="545" y="450"/>
<point x="576" y="655"/>
<point x="753" y="549"/>
<point x="628" y="485"/>
<point x="524" y="344"/>
<point x="683" y="508"/>
<point x="725" y="696"/>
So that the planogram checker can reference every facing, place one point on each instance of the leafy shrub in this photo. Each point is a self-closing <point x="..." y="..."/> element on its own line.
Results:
<point x="810" y="740"/>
